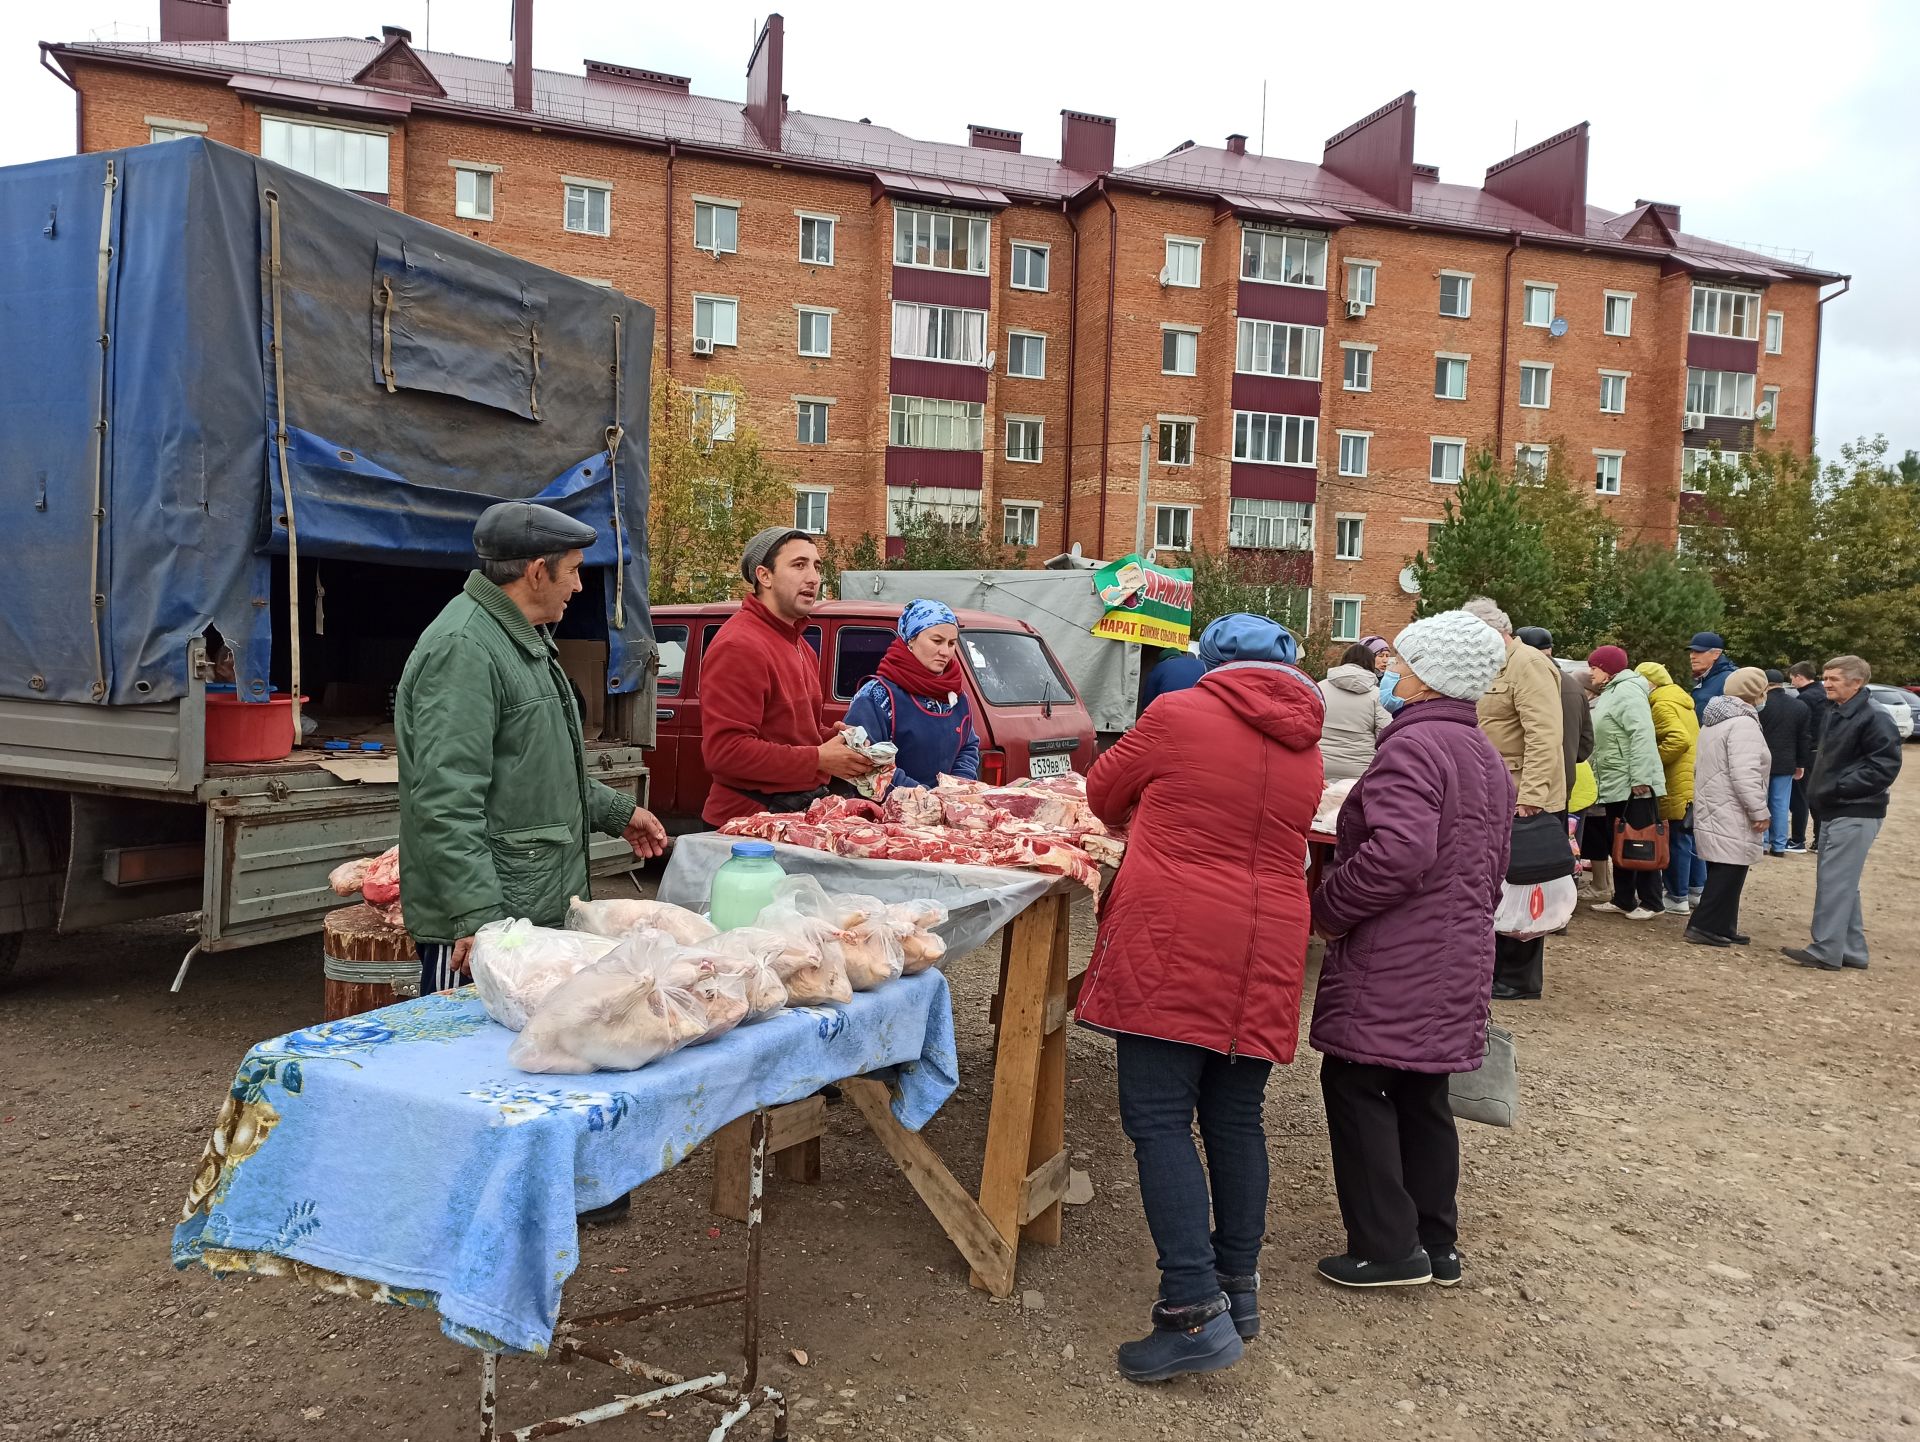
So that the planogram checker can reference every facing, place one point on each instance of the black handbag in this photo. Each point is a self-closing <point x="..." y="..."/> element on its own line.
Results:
<point x="1540" y="849"/>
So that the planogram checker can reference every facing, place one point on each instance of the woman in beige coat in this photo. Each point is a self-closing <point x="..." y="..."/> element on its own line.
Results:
<point x="1355" y="717"/>
<point x="1729" y="804"/>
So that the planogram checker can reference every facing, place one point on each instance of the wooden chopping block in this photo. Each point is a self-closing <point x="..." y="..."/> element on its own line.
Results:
<point x="369" y="963"/>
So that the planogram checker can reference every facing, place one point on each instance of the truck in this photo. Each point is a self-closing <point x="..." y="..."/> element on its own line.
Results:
<point x="247" y="423"/>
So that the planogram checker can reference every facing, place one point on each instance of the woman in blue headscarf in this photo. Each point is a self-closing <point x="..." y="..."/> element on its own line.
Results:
<point x="918" y="700"/>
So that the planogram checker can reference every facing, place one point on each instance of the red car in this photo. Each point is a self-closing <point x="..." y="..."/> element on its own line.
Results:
<point x="1030" y="719"/>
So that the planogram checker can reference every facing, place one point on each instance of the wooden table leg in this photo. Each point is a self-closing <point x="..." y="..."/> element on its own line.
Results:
<point x="1049" y="1137"/>
<point x="793" y="1141"/>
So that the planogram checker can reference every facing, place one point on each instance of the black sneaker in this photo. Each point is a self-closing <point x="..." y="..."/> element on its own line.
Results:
<point x="1705" y="938"/>
<point x="1348" y="1270"/>
<point x="1446" y="1265"/>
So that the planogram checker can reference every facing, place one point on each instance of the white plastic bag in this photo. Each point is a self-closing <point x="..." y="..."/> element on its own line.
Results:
<point x="801" y="953"/>
<point x="1529" y="911"/>
<point x="517" y="965"/>
<point x="869" y="941"/>
<point x="618" y="916"/>
<point x="914" y="923"/>
<point x="613" y="1016"/>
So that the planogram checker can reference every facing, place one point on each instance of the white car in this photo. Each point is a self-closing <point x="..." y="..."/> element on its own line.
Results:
<point x="1897" y="704"/>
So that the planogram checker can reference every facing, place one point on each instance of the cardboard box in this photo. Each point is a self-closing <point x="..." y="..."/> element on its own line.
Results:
<point x="585" y="663"/>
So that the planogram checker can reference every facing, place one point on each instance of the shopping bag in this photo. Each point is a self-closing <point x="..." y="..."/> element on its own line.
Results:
<point x="1489" y="1094"/>
<point x="1537" y="910"/>
<point x="1539" y="851"/>
<point x="1637" y="845"/>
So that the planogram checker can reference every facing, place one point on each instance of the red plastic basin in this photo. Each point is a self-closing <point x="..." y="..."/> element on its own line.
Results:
<point x="241" y="731"/>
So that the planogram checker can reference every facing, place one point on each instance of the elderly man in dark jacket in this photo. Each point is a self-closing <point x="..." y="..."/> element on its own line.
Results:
<point x="1789" y="732"/>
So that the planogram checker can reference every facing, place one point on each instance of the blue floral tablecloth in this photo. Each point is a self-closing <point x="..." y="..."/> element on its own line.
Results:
<point x="399" y="1156"/>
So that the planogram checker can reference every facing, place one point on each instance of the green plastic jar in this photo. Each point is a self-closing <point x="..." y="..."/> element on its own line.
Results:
<point x="744" y="885"/>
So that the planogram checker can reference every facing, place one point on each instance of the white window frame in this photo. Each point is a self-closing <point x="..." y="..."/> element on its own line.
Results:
<point x="803" y="404"/>
<point x="1537" y="403"/>
<point x="1299" y="436"/>
<point x="1365" y="438"/>
<point x="818" y="218"/>
<point x="477" y="169"/>
<point x="1169" y="533"/>
<point x="1600" y="477"/>
<point x="1035" y="247"/>
<point x="714" y="303"/>
<point x="1334" y="603"/>
<point x="1717" y="382"/>
<point x="949" y="322"/>
<point x="949" y="505"/>
<point x="721" y="420"/>
<point x="1038" y="425"/>
<point x="1776" y="332"/>
<point x="1264" y="238"/>
<point x="979" y="238"/>
<point x="1433" y="443"/>
<point x="162" y="128"/>
<point x="934" y="419"/>
<point x="1466" y="294"/>
<point x="804" y="497"/>
<point x="367" y="133"/>
<point x="1355" y="269"/>
<point x="1025" y="529"/>
<point x="1029" y="336"/>
<point x="1249" y="519"/>
<point x="1192" y="332"/>
<point x="585" y="189"/>
<point x="1626" y="298"/>
<point x="713" y="205"/>
<point x="1450" y="357"/>
<point x="1279" y="340"/>
<point x="1622" y="377"/>
<point x="1722" y="308"/>
<point x="1771" y="395"/>
<point x="1527" y="290"/>
<point x="1347" y="347"/>
<point x="1173" y="272"/>
<point x="1171" y="424"/>
<point x="805" y="313"/>
<point x="1692" y="460"/>
<point x="1524" y="460"/>
<point x="1342" y="550"/>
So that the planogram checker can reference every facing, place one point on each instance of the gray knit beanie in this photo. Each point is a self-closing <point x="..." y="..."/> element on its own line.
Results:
<point x="1455" y="652"/>
<point x="764" y="545"/>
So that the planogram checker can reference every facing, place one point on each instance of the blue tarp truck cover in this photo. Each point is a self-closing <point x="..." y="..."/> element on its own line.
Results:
<point x="423" y="377"/>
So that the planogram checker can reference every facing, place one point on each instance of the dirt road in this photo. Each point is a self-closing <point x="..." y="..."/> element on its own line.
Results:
<point x="1705" y="1228"/>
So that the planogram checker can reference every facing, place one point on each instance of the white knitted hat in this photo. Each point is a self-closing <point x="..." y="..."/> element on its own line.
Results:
<point x="1455" y="652"/>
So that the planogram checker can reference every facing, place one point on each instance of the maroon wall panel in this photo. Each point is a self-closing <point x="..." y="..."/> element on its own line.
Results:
<point x="940" y="379"/>
<point x="1256" y="482"/>
<point x="959" y="469"/>
<point x="1295" y="304"/>
<point x="1723" y="353"/>
<point x="1376" y="153"/>
<point x="1275" y="393"/>
<point x="1732" y="434"/>
<point x="942" y="287"/>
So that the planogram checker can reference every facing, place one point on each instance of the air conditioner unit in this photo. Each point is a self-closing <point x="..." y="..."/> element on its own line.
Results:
<point x="1166" y="277"/>
<point x="1356" y="309"/>
<point x="1693" y="421"/>
<point x="703" y="345"/>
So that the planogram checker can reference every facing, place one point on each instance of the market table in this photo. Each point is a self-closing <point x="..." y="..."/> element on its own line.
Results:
<point x="1024" y="1173"/>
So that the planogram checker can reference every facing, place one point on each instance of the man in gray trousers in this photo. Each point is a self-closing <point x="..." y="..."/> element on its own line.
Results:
<point x="1858" y="761"/>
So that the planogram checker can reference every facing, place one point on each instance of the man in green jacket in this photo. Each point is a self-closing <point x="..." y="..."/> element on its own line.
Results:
<point x="496" y="807"/>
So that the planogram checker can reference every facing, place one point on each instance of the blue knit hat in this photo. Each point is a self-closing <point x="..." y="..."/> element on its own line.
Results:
<point x="1244" y="637"/>
<point x="920" y="615"/>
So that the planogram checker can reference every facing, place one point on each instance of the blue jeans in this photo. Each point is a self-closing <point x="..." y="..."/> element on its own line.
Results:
<point x="1162" y="1085"/>
<point x="1779" y="806"/>
<point x="1680" y="859"/>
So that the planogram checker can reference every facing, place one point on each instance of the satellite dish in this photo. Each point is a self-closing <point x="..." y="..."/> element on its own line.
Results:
<point x="1409" y="582"/>
<point x="1559" y="326"/>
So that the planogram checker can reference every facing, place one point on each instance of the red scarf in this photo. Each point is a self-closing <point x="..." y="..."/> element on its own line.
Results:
<point x="911" y="675"/>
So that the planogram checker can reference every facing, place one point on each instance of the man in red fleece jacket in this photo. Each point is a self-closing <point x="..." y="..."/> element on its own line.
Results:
<point x="763" y="728"/>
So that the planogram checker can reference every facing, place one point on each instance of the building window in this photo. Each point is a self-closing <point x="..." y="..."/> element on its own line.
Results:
<point x="816" y="239"/>
<point x="1356" y="372"/>
<point x="1536" y="304"/>
<point x="1269" y="348"/>
<point x="716" y="318"/>
<point x="1693" y="463"/>
<point x="1183" y="263"/>
<point x="1530" y="464"/>
<point x="1346" y="618"/>
<point x="1023" y="438"/>
<point x="1029" y="266"/>
<point x="1770" y="406"/>
<point x="1354" y="446"/>
<point x="472" y="193"/>
<point x="1606" y="471"/>
<point x="1270" y="525"/>
<point x="160" y="134"/>
<point x="1536" y="386"/>
<point x="1283" y="257"/>
<point x="1613" y="392"/>
<point x="1733" y="313"/>
<point x="950" y="506"/>
<point x="1173" y="528"/>
<point x="810" y="511"/>
<point x="939" y="333"/>
<point x="816" y="332"/>
<point x="1275" y="440"/>
<point x="587" y="207"/>
<point x="350" y="159"/>
<point x="1360" y="278"/>
<point x="1348" y="538"/>
<point x="714" y="415"/>
<point x="1176" y="442"/>
<point x="934" y="425"/>
<point x="1449" y="459"/>
<point x="1450" y="377"/>
<point x="1020" y="525"/>
<point x="812" y="429"/>
<point x="716" y="227"/>
<point x="1027" y="355"/>
<point x="1776" y="331"/>
<point x="1619" y="313"/>
<point x="1179" y="351"/>
<point x="1456" y="294"/>
<point x="936" y="240"/>
<point x="1720" y="393"/>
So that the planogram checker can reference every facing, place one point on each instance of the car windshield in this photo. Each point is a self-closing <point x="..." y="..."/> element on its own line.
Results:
<point x="1014" y="669"/>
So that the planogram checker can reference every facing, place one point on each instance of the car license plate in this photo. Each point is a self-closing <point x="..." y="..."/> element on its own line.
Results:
<point x="1041" y="767"/>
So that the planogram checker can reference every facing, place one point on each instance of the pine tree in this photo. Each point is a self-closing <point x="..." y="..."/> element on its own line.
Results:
<point x="1486" y="546"/>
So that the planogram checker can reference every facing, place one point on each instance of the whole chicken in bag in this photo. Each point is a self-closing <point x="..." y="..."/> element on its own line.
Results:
<point x="517" y="966"/>
<point x="617" y="916"/>
<point x="869" y="940"/>
<point x="795" y="937"/>
<point x="914" y="922"/>
<point x="613" y="1016"/>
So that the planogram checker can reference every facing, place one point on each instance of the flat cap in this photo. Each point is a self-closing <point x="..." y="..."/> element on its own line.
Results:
<point x="520" y="530"/>
<point x="762" y="548"/>
<point x="1538" y="637"/>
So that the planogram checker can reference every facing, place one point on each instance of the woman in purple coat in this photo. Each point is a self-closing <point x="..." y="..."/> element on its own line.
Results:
<point x="1407" y="908"/>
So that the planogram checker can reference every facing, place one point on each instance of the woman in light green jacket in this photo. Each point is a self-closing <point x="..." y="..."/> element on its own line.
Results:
<point x="1627" y="769"/>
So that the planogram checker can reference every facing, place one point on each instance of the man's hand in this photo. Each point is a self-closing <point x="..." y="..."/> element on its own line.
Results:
<point x="839" y="759"/>
<point x="1527" y="810"/>
<point x="645" y="834"/>
<point x="1799" y="773"/>
<point x="462" y="961"/>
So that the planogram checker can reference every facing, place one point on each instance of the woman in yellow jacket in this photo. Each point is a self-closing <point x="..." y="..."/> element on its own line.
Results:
<point x="1676" y="729"/>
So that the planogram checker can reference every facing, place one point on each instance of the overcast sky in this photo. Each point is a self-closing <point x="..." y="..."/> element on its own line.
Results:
<point x="1779" y="123"/>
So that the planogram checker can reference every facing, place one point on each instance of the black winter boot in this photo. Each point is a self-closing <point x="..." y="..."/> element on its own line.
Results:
<point x="1243" y="1302"/>
<point x="1200" y="1338"/>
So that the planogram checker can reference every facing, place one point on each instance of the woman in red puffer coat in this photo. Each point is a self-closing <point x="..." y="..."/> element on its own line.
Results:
<point x="1198" y="964"/>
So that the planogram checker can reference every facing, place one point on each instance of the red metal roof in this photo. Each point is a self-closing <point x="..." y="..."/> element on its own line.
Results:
<point x="1277" y="209"/>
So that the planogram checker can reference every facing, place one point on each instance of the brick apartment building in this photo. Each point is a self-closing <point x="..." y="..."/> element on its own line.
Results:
<point x="1312" y="348"/>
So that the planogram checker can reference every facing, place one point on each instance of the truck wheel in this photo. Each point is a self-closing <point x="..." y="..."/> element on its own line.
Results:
<point x="29" y="846"/>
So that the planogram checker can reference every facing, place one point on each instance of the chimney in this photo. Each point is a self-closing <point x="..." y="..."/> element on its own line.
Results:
<point x="522" y="54"/>
<point x="987" y="137"/>
<point x="1236" y="144"/>
<point x="766" y="94"/>
<point x="1548" y="180"/>
<point x="1425" y="172"/>
<point x="193" y="19"/>
<point x="1669" y="213"/>
<point x="1086" y="142"/>
<point x="396" y="32"/>
<point x="1376" y="154"/>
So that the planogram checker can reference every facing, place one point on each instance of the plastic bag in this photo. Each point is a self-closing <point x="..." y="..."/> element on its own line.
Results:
<point x="869" y="941"/>
<point x="801" y="952"/>
<point x="618" y="916"/>
<point x="613" y="1016"/>
<point x="517" y="965"/>
<point x="914" y="923"/>
<point x="1529" y="911"/>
